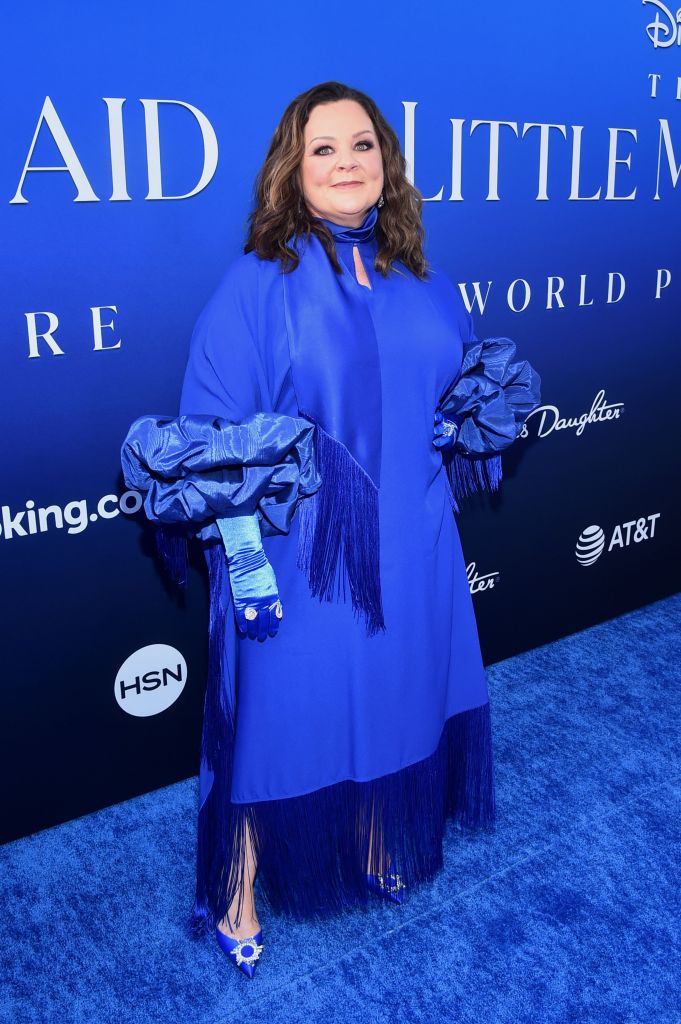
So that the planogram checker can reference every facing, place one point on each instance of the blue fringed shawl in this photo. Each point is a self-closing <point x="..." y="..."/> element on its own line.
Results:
<point x="337" y="379"/>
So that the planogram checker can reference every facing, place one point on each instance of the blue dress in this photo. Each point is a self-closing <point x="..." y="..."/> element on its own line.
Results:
<point x="323" y="740"/>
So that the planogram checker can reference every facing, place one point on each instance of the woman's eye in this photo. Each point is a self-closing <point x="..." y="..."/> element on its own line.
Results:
<point x="362" y="142"/>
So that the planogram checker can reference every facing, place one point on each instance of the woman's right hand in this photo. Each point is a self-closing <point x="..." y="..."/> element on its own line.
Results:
<point x="251" y="577"/>
<point x="445" y="431"/>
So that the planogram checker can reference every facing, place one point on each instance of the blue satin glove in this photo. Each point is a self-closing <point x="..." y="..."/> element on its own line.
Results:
<point x="446" y="430"/>
<point x="251" y="577"/>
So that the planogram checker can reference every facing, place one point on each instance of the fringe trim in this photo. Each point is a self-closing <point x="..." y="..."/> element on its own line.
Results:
<point x="339" y="532"/>
<point x="219" y="836"/>
<point x="467" y="474"/>
<point x="171" y="545"/>
<point x="313" y="851"/>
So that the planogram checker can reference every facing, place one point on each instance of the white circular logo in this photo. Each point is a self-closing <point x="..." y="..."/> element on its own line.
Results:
<point x="590" y="545"/>
<point x="150" y="680"/>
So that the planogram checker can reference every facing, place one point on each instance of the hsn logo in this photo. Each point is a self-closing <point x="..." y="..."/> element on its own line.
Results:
<point x="592" y="541"/>
<point x="150" y="680"/>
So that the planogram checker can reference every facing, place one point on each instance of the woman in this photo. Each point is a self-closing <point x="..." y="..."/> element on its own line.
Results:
<point x="335" y="405"/>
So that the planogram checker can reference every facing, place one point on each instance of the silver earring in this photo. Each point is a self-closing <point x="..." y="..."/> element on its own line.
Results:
<point x="380" y="200"/>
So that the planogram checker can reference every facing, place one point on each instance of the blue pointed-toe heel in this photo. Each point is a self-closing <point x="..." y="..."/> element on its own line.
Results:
<point x="389" y="885"/>
<point x="243" y="953"/>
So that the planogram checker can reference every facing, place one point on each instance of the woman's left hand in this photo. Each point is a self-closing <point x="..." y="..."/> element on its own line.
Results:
<point x="445" y="432"/>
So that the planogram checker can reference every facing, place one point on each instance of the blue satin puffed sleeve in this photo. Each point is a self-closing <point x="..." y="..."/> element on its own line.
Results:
<point x="492" y="397"/>
<point x="489" y="402"/>
<point x="193" y="469"/>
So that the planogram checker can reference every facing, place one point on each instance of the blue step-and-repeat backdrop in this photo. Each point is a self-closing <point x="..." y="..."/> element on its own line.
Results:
<point x="546" y="142"/>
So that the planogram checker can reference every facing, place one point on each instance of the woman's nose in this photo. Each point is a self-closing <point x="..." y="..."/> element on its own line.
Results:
<point x="347" y="161"/>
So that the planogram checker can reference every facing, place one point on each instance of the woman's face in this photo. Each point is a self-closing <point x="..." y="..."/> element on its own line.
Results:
<point x="341" y="146"/>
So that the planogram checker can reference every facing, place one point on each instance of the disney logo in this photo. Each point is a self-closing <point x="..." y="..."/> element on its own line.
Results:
<point x="550" y="418"/>
<point x="661" y="33"/>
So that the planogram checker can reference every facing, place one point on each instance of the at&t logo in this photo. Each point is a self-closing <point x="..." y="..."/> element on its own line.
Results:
<point x="592" y="541"/>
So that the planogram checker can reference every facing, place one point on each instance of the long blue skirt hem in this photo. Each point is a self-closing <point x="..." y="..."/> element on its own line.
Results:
<point x="313" y="851"/>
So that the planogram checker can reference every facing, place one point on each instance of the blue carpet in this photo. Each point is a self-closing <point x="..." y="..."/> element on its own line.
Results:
<point x="569" y="911"/>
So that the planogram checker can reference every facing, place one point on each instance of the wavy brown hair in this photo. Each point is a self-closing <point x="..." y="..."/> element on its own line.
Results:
<point x="281" y="211"/>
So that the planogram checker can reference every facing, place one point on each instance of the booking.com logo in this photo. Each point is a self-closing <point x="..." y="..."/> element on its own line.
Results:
<point x="74" y="517"/>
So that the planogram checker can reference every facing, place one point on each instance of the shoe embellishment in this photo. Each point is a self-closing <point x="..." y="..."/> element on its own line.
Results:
<point x="243" y="944"/>
<point x="388" y="886"/>
<point x="242" y="953"/>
